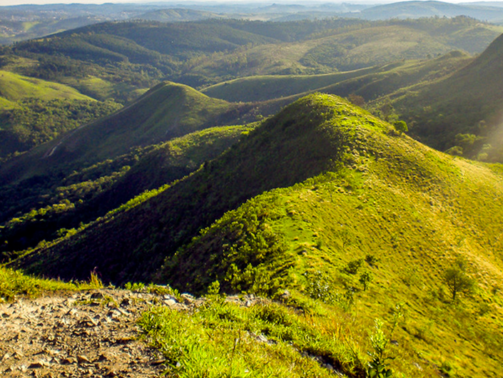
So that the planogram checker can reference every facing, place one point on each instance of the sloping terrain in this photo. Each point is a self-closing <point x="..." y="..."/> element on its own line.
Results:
<point x="355" y="199"/>
<point x="58" y="205"/>
<point x="99" y="57"/>
<point x="34" y="111"/>
<point x="177" y="15"/>
<point x="15" y="87"/>
<point x="368" y="82"/>
<point x="466" y="102"/>
<point x="168" y="110"/>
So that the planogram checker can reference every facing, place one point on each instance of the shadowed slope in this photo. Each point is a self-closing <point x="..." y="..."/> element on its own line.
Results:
<point x="287" y="149"/>
<point x="458" y="103"/>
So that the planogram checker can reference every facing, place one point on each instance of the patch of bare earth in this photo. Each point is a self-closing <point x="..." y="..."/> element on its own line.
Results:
<point x="87" y="334"/>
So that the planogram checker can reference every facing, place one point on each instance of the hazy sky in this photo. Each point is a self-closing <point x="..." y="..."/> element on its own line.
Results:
<point x="18" y="2"/>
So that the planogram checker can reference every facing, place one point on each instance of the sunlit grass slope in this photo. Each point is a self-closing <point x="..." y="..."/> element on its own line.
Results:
<point x="166" y="111"/>
<point x="412" y="209"/>
<point x="14" y="87"/>
<point x="369" y="82"/>
<point x="353" y="199"/>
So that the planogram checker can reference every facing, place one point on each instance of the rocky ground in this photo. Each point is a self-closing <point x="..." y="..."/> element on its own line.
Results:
<point x="85" y="334"/>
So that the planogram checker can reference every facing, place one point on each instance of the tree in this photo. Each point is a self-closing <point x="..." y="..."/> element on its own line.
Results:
<point x="356" y="100"/>
<point x="401" y="127"/>
<point x="457" y="279"/>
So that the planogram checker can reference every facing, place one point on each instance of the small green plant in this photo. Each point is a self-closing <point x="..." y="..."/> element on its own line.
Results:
<point x="372" y="260"/>
<point x="94" y="281"/>
<point x="318" y="287"/>
<point x="353" y="266"/>
<point x="379" y="365"/>
<point x="214" y="288"/>
<point x="136" y="286"/>
<point x="401" y="127"/>
<point x="365" y="279"/>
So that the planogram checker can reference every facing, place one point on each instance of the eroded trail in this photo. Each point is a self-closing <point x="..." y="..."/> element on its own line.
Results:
<point x="85" y="334"/>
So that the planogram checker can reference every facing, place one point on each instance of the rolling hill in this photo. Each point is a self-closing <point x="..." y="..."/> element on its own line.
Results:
<point x="370" y="83"/>
<point x="34" y="111"/>
<point x="14" y="87"/>
<point x="66" y="202"/>
<point x="97" y="58"/>
<point x="166" y="111"/>
<point x="177" y="15"/>
<point x="466" y="102"/>
<point x="313" y="198"/>
<point x="351" y="48"/>
<point x="418" y="9"/>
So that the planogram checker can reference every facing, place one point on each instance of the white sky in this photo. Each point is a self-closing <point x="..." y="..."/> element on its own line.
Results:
<point x="180" y="2"/>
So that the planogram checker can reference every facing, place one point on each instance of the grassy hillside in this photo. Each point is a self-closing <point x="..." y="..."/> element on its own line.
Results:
<point x="114" y="59"/>
<point x="31" y="213"/>
<point x="268" y="87"/>
<point x="166" y="111"/>
<point x="15" y="87"/>
<point x="370" y="83"/>
<point x="34" y="111"/>
<point x="362" y="219"/>
<point x="466" y="103"/>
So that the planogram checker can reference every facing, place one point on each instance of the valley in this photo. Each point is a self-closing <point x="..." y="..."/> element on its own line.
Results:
<point x="272" y="193"/>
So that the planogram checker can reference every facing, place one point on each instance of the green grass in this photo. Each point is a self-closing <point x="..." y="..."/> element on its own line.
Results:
<point x="370" y="83"/>
<point x="14" y="87"/>
<point x="265" y="340"/>
<point x="314" y="200"/>
<point x="166" y="111"/>
<point x="15" y="284"/>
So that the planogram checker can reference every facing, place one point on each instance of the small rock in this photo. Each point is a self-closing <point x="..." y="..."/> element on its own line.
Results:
<point x="170" y="302"/>
<point x="188" y="298"/>
<point x="69" y="360"/>
<point x="39" y="364"/>
<point x="285" y="295"/>
<point x="126" y="302"/>
<point x="97" y="295"/>
<point x="83" y="359"/>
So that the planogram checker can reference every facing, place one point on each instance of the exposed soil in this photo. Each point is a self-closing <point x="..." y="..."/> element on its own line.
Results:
<point x="85" y="334"/>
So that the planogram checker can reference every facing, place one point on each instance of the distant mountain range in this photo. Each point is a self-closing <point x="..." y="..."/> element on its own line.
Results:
<point x="19" y="23"/>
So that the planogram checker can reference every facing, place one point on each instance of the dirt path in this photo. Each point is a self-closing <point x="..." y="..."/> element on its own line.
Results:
<point x="87" y="334"/>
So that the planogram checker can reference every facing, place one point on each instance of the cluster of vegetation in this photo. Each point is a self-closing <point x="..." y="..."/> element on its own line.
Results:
<point x="368" y="221"/>
<point x="14" y="284"/>
<point x="59" y="206"/>
<point x="35" y="121"/>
